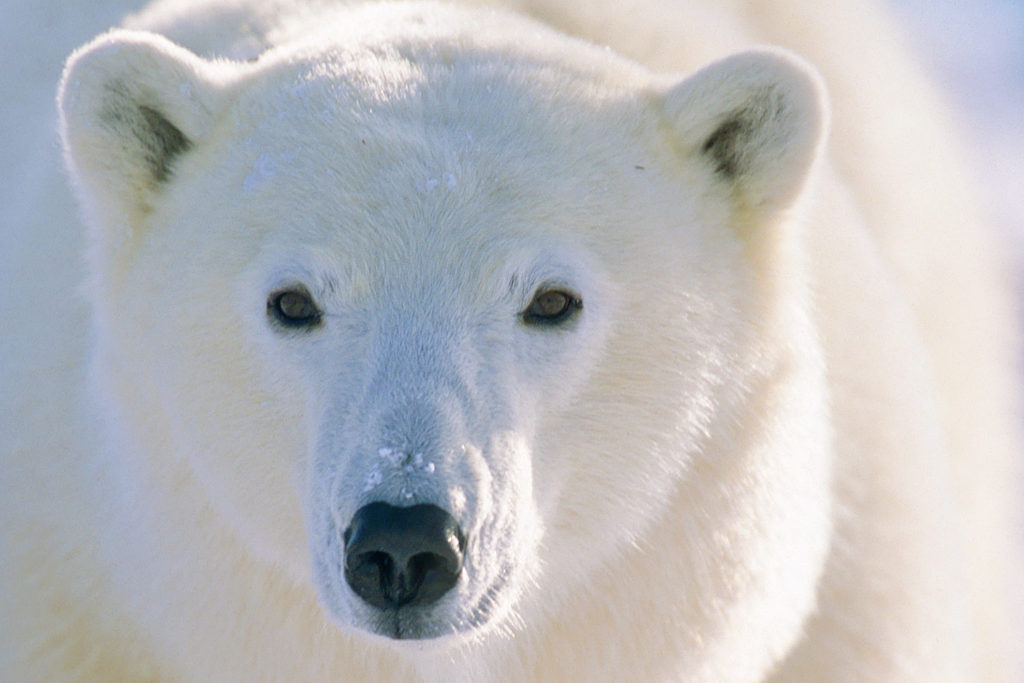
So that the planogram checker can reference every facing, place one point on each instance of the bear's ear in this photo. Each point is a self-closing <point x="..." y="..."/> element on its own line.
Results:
<point x="131" y="104"/>
<point x="756" y="121"/>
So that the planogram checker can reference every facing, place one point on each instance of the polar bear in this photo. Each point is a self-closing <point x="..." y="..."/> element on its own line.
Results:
<point x="434" y="342"/>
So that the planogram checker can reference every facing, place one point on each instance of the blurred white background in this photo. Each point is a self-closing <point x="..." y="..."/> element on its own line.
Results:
<point x="975" y="49"/>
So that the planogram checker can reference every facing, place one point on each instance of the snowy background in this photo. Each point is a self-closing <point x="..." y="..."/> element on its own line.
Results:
<point x="975" y="49"/>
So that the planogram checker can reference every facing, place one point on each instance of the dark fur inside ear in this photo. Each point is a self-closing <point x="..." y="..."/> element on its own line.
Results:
<point x="725" y="145"/>
<point x="734" y="142"/>
<point x="159" y="140"/>
<point x="164" y="142"/>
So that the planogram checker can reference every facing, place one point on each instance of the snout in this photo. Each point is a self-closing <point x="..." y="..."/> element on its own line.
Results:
<point x="398" y="556"/>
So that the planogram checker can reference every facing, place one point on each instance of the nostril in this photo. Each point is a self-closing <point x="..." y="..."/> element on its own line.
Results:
<point x="402" y="556"/>
<point x="432" y="576"/>
<point x="371" y="571"/>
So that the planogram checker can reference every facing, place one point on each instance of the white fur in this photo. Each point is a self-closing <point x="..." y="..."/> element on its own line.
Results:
<point x="772" y="443"/>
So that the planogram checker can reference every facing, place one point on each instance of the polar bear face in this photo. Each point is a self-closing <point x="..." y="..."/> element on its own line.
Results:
<point x="441" y="314"/>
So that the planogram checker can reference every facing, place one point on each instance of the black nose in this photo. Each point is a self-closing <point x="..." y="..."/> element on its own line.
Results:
<point x="402" y="556"/>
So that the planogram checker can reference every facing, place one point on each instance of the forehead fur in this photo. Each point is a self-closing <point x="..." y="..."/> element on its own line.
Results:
<point x="439" y="121"/>
<point x="363" y="38"/>
<point x="422" y="74"/>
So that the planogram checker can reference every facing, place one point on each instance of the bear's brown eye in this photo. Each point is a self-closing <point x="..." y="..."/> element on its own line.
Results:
<point x="293" y="308"/>
<point x="551" y="306"/>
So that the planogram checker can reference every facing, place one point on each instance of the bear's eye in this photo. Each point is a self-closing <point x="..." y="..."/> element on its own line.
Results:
<point x="293" y="308"/>
<point x="551" y="307"/>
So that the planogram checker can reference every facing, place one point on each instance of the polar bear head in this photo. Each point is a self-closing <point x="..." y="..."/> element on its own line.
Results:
<point x="444" y="310"/>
